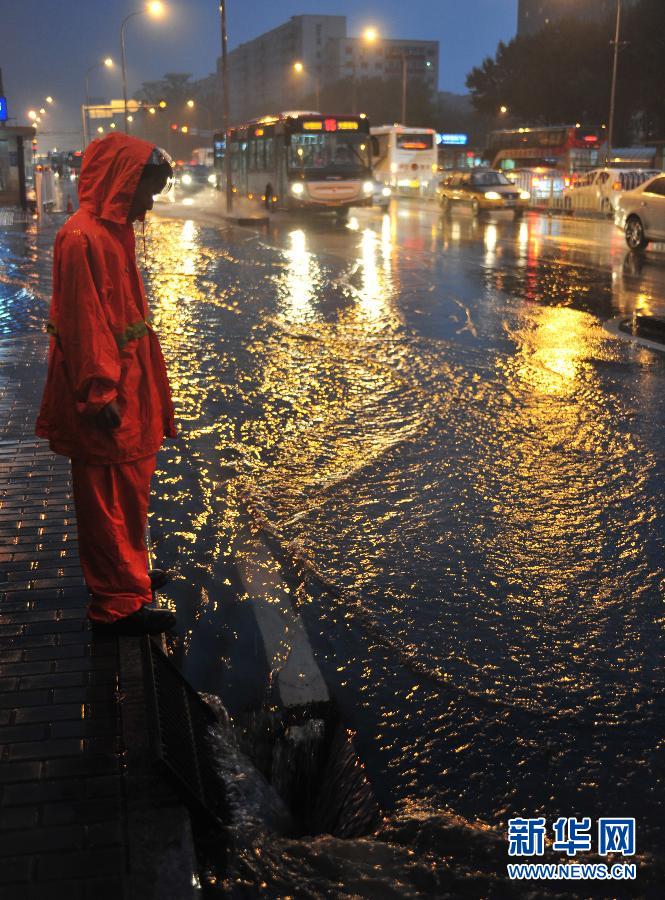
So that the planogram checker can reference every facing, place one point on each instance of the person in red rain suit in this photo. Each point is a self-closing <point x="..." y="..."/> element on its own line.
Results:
<point x="107" y="403"/>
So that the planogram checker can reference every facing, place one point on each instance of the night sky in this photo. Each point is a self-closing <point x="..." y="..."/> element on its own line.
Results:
<point x="47" y="45"/>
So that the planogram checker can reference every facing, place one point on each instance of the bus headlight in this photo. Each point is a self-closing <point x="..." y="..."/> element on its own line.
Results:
<point x="186" y="178"/>
<point x="386" y="192"/>
<point x="492" y="195"/>
<point x="212" y="179"/>
<point x="297" y="188"/>
<point x="525" y="195"/>
<point x="368" y="187"/>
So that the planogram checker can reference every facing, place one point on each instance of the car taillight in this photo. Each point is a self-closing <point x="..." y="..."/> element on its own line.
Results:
<point x="616" y="186"/>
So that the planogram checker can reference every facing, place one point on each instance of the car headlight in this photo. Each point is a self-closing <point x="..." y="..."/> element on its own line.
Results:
<point x="525" y="195"/>
<point x="368" y="187"/>
<point x="186" y="179"/>
<point x="386" y="192"/>
<point x="492" y="195"/>
<point x="212" y="179"/>
<point x="297" y="188"/>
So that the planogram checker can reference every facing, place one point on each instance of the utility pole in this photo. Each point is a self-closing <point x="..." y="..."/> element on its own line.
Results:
<point x="615" y="69"/>
<point x="403" y="87"/>
<point x="225" y="107"/>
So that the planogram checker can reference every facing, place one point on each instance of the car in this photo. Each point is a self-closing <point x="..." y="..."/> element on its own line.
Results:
<point x="481" y="189"/>
<point x="599" y="189"/>
<point x="640" y="213"/>
<point x="195" y="178"/>
<point x="381" y="195"/>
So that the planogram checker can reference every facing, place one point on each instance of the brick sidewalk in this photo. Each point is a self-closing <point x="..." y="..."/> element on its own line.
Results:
<point x="68" y="822"/>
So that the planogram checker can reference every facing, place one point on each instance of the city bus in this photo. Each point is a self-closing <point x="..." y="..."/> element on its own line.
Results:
<point x="406" y="159"/>
<point x="299" y="160"/>
<point x="541" y="160"/>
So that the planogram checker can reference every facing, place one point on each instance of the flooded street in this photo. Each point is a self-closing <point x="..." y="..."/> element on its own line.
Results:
<point x="460" y="472"/>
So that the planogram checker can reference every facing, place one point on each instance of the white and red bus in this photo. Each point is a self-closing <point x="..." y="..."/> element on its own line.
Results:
<point x="406" y="159"/>
<point x="300" y="160"/>
<point x="542" y="159"/>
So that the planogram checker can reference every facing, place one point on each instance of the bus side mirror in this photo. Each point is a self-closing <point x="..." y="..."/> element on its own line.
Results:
<point x="375" y="146"/>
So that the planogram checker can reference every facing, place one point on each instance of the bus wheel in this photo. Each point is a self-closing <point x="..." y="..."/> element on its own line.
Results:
<point x="269" y="202"/>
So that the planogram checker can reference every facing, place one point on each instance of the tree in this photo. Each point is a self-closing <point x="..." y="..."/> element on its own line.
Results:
<point x="562" y="75"/>
<point x="559" y="75"/>
<point x="379" y="98"/>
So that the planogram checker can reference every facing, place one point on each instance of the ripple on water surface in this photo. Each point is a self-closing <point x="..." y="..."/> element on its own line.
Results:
<point x="468" y="489"/>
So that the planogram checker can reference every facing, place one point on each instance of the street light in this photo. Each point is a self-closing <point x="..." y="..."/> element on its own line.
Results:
<point x="156" y="9"/>
<point x="49" y="99"/>
<point x="105" y="63"/>
<point x="503" y="110"/>
<point x="615" y="69"/>
<point x="370" y="36"/>
<point x="32" y="114"/>
<point x="299" y="68"/>
<point x="190" y="103"/>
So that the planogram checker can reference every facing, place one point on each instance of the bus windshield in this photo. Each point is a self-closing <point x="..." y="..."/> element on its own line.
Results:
<point x="334" y="153"/>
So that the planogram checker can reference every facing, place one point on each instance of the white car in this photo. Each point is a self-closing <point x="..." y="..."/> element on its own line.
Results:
<point x="641" y="213"/>
<point x="599" y="189"/>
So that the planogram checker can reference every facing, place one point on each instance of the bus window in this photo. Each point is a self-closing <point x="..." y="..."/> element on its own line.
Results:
<point x="424" y="141"/>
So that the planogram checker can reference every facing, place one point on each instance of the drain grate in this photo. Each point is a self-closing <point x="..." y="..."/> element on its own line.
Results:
<point x="179" y="722"/>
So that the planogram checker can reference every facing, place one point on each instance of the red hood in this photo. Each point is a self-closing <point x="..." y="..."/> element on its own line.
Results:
<point x="110" y="173"/>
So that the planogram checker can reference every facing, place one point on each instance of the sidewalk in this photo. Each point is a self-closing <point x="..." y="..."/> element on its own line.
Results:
<point x="82" y="814"/>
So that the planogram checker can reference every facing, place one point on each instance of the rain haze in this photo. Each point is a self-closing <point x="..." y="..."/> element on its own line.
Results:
<point x="45" y="54"/>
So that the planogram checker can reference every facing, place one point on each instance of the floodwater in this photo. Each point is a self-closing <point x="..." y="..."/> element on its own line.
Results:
<point x="464" y="469"/>
<point x="460" y="473"/>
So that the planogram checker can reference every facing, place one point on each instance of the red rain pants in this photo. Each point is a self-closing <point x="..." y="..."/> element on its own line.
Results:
<point x="112" y="511"/>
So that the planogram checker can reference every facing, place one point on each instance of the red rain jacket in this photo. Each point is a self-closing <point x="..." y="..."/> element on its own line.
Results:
<point x="102" y="348"/>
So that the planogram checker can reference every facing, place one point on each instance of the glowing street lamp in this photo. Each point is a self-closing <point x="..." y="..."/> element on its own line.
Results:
<point x="105" y="63"/>
<point x="299" y="68"/>
<point x="32" y="114"/>
<point x="370" y="35"/>
<point x="190" y="103"/>
<point x="49" y="99"/>
<point x="156" y="9"/>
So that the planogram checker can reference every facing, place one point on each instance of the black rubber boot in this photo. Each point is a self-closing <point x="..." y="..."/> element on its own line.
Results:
<point x="143" y="621"/>
<point x="158" y="578"/>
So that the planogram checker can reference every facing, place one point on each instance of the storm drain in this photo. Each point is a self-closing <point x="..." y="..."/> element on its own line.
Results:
<point x="179" y="721"/>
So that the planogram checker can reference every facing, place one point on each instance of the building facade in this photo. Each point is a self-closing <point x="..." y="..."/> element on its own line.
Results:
<point x="355" y="57"/>
<point x="533" y="15"/>
<point x="262" y="78"/>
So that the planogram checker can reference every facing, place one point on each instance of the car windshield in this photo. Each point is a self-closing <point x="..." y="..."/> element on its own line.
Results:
<point x="330" y="153"/>
<point x="489" y="179"/>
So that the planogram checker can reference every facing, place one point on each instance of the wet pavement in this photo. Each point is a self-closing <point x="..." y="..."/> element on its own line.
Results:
<point x="459" y="473"/>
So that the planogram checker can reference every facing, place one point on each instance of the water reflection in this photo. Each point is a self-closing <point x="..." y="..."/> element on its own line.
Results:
<point x="472" y="513"/>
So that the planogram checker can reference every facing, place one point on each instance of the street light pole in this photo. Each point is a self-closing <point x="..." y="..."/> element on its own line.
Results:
<point x="124" y="63"/>
<point x="403" y="87"/>
<point x="225" y="107"/>
<point x="153" y="8"/>
<point x="615" y="69"/>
